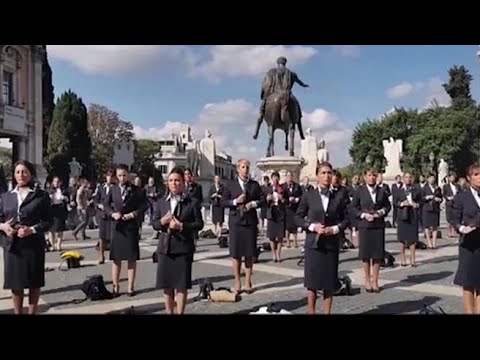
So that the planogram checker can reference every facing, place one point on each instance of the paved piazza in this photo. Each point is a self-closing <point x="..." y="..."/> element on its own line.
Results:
<point x="405" y="290"/>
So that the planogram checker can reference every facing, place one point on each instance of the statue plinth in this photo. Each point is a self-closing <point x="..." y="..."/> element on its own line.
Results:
<point x="280" y="164"/>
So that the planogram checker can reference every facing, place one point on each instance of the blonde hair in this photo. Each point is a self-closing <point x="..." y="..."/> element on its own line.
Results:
<point x="243" y="161"/>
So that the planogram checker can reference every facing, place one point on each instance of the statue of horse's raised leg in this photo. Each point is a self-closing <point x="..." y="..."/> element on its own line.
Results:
<point x="257" y="129"/>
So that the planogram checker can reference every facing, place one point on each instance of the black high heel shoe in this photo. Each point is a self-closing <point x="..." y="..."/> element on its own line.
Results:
<point x="115" y="292"/>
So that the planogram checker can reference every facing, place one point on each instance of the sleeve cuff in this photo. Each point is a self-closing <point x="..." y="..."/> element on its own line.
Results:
<point x="254" y="204"/>
<point x="362" y="216"/>
<point x="234" y="202"/>
<point x="33" y="229"/>
<point x="461" y="229"/>
<point x="381" y="212"/>
<point x="335" y="229"/>
<point x="311" y="228"/>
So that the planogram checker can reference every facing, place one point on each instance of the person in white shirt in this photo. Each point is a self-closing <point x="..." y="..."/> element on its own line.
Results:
<point x="59" y="198"/>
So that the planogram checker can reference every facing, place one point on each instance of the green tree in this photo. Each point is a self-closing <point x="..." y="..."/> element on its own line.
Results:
<point x="146" y="152"/>
<point x="48" y="100"/>
<point x="6" y="161"/>
<point x="458" y="87"/>
<point x="69" y="137"/>
<point x="367" y="139"/>
<point x="106" y="128"/>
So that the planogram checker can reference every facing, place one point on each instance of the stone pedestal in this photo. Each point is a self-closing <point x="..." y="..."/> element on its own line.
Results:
<point x="281" y="164"/>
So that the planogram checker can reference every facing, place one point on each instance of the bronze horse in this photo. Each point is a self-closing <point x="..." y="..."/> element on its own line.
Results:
<point x="280" y="116"/>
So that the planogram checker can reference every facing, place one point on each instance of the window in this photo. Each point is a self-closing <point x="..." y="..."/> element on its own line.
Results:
<point x="7" y="88"/>
<point x="163" y="169"/>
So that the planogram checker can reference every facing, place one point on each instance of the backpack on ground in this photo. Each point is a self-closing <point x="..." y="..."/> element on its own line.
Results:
<point x="344" y="287"/>
<point x="94" y="289"/>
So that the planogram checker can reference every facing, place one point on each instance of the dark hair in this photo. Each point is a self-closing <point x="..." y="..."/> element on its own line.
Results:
<point x="178" y="170"/>
<point x="372" y="170"/>
<point x="186" y="170"/>
<point x="110" y="173"/>
<point x="31" y="169"/>
<point x="123" y="167"/>
<point x="324" y="164"/>
<point x="276" y="174"/>
<point x="472" y="169"/>
<point x="337" y="173"/>
<point x="266" y="178"/>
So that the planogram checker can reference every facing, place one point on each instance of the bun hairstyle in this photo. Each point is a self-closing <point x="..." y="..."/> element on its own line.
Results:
<point x="31" y="169"/>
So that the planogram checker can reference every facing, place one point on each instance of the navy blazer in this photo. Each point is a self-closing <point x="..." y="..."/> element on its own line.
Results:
<point x="253" y="192"/>
<point x="275" y="213"/>
<point x="100" y="198"/>
<point x="447" y="192"/>
<point x="195" y="191"/>
<point x="466" y="212"/>
<point x="310" y="211"/>
<point x="135" y="202"/>
<point x="362" y="203"/>
<point x="35" y="211"/>
<point x="174" y="241"/>
<point x="295" y="191"/>
<point x="431" y="205"/>
<point x="407" y="213"/>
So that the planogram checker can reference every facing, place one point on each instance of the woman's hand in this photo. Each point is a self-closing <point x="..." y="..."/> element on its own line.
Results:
<point x="166" y="219"/>
<point x="8" y="229"/>
<point x="24" y="232"/>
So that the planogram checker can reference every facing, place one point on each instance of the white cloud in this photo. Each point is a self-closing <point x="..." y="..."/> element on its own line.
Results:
<point x="400" y="91"/>
<point x="425" y="91"/>
<point x="114" y="60"/>
<point x="232" y="123"/>
<point x="213" y="63"/>
<point x="248" y="60"/>
<point x="348" y="50"/>
<point x="435" y="91"/>
<point x="318" y="119"/>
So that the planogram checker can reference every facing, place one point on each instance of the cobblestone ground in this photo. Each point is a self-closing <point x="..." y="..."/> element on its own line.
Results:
<point x="404" y="290"/>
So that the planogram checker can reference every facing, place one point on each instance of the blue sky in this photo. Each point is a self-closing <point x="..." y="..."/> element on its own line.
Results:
<point x="217" y="87"/>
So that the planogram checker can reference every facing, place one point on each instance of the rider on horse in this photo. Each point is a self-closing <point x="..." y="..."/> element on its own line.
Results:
<point x="280" y="80"/>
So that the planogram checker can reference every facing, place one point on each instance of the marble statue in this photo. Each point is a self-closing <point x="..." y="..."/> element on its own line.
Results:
<point x="208" y="153"/>
<point x="392" y="151"/>
<point x="75" y="168"/>
<point x="442" y="172"/>
<point x="322" y="154"/>
<point x="308" y="152"/>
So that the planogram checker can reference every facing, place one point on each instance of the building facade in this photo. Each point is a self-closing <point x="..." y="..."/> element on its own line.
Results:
<point x="21" y="118"/>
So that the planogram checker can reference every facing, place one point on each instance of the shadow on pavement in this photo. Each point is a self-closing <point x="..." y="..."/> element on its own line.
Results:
<point x="403" y="307"/>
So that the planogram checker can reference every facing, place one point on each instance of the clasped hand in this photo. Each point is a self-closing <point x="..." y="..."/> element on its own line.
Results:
<point x="240" y="200"/>
<point x="125" y="217"/>
<point x="171" y="221"/>
<point x="22" y="232"/>
<point x="323" y="230"/>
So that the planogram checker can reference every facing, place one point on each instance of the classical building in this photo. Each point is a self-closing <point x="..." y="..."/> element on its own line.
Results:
<point x="182" y="150"/>
<point x="21" y="102"/>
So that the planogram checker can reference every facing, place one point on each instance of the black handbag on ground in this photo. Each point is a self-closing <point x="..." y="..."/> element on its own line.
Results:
<point x="94" y="289"/>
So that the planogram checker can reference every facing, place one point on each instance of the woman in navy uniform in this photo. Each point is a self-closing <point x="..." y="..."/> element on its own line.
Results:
<point x="25" y="217"/>
<point x="59" y="199"/>
<point x="276" y="217"/>
<point x="124" y="204"/>
<point x="178" y="218"/>
<point x="323" y="215"/>
<point x="218" y="211"/>
<point x="449" y="191"/>
<point x="431" y="199"/>
<point x="407" y="199"/>
<point x="292" y="194"/>
<point x="370" y="206"/>
<point x="243" y="196"/>
<point x="466" y="221"/>
<point x="104" y="222"/>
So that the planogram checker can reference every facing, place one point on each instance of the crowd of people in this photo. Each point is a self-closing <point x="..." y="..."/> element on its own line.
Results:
<point x="326" y="213"/>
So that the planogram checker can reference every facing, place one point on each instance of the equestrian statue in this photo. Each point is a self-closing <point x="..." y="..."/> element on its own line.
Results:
<point x="280" y="109"/>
